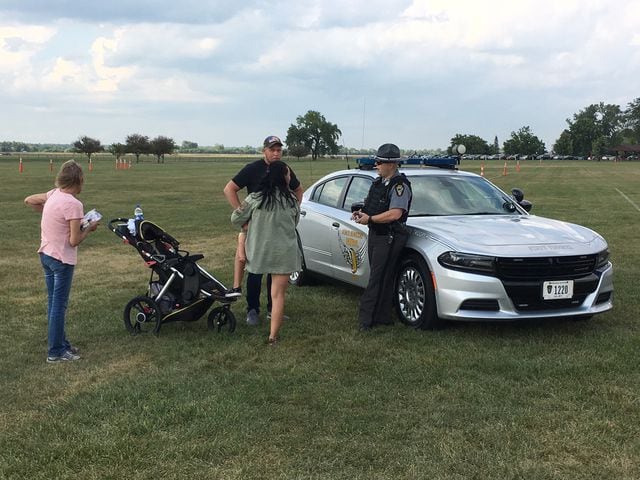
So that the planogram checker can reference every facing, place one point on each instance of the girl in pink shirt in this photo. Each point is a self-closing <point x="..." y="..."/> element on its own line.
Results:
<point x="59" y="239"/>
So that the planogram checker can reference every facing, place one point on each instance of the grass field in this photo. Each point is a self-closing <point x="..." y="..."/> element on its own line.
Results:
<point x="540" y="400"/>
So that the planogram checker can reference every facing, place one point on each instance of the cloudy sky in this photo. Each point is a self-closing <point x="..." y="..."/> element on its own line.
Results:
<point x="412" y="72"/>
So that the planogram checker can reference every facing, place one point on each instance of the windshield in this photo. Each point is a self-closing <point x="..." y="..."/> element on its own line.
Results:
<point x="460" y="195"/>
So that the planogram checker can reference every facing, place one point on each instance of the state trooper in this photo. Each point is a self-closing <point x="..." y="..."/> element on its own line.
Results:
<point x="385" y="212"/>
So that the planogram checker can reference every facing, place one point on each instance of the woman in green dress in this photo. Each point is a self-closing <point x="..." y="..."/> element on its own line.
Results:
<point x="271" y="245"/>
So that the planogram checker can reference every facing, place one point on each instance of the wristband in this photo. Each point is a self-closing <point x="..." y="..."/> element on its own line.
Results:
<point x="370" y="221"/>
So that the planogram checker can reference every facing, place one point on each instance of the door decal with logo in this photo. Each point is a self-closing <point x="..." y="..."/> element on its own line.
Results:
<point x="353" y="245"/>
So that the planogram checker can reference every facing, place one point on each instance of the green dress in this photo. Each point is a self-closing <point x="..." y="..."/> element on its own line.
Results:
<point x="271" y="245"/>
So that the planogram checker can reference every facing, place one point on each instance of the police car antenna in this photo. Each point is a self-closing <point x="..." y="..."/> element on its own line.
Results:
<point x="346" y="157"/>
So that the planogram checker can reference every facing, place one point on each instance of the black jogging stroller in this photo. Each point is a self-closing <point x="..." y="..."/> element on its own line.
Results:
<point x="179" y="289"/>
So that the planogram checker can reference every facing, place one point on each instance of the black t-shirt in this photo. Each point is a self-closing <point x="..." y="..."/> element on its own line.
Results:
<point x="252" y="173"/>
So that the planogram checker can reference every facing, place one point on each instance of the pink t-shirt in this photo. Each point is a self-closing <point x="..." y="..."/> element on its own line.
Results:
<point x="59" y="208"/>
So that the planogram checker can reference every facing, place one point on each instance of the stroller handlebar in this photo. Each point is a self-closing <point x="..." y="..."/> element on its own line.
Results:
<point x="120" y="222"/>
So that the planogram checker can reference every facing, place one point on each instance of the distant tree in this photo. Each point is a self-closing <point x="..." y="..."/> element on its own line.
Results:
<point x="632" y="121"/>
<point x="496" y="145"/>
<point x="524" y="142"/>
<point x="88" y="146"/>
<point x="138" y="145"/>
<point x="601" y="123"/>
<point x="160" y="146"/>
<point x="597" y="148"/>
<point x="564" y="144"/>
<point x="473" y="144"/>
<point x="316" y="133"/>
<point x="118" y="150"/>
<point x="298" y="150"/>
<point x="187" y="145"/>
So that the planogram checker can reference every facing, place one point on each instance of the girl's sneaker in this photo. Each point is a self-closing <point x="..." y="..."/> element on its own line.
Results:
<point x="67" y="356"/>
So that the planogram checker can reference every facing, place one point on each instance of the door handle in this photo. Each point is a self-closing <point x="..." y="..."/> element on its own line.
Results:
<point x="335" y="224"/>
<point x="303" y="213"/>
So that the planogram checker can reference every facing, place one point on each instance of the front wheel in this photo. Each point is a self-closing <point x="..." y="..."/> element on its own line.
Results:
<point x="222" y="317"/>
<point x="142" y="315"/>
<point x="415" y="296"/>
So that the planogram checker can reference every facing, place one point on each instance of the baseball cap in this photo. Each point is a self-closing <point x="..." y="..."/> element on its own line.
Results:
<point x="271" y="140"/>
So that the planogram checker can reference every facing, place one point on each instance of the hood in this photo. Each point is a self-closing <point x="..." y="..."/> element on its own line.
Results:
<point x="509" y="235"/>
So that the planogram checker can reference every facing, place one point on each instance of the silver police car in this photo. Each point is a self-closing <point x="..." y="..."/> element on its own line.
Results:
<point x="474" y="252"/>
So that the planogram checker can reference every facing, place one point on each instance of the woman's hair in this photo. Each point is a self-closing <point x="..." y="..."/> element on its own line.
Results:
<point x="274" y="188"/>
<point x="70" y="175"/>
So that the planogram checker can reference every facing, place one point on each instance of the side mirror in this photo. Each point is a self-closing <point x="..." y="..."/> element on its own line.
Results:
<point x="357" y="206"/>
<point x="517" y="194"/>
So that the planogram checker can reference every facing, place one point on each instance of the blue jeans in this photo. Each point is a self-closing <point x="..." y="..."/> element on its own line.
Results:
<point x="58" y="277"/>
<point x="254" y="285"/>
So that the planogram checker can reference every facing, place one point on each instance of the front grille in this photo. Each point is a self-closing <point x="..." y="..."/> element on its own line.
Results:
<point x="545" y="268"/>
<point x="523" y="277"/>
<point x="527" y="295"/>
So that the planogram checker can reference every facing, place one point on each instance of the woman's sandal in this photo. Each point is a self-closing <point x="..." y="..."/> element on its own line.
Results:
<point x="272" y="342"/>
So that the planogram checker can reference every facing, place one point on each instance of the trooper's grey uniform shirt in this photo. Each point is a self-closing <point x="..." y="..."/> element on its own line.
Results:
<point x="400" y="196"/>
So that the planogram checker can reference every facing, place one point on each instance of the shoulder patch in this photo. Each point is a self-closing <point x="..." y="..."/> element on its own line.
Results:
<point x="399" y="188"/>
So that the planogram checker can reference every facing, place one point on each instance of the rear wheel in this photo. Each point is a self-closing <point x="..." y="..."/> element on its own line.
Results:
<point x="142" y="315"/>
<point x="415" y="297"/>
<point x="221" y="318"/>
<point x="299" y="278"/>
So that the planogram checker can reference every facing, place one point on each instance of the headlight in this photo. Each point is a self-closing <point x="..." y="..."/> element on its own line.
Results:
<point x="603" y="258"/>
<point x="467" y="262"/>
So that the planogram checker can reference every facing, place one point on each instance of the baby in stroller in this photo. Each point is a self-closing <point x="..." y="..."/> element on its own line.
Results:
<point x="179" y="289"/>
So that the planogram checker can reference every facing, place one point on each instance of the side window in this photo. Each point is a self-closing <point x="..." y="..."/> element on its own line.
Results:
<point x="329" y="193"/>
<point x="357" y="192"/>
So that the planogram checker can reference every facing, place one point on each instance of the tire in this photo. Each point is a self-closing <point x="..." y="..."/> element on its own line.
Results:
<point x="415" y="299"/>
<point x="142" y="315"/>
<point x="299" y="278"/>
<point x="221" y="317"/>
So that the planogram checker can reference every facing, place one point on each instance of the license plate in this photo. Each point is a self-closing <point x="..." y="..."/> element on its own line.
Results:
<point x="557" y="289"/>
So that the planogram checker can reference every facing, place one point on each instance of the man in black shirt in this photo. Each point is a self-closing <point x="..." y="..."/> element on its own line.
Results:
<point x="249" y="177"/>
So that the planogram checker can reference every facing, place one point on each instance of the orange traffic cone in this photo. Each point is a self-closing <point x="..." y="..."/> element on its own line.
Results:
<point x="517" y="165"/>
<point x="20" y="168"/>
<point x="482" y="170"/>
<point x="504" y="170"/>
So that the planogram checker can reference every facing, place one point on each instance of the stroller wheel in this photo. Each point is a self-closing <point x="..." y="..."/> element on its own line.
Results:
<point x="142" y="315"/>
<point x="222" y="317"/>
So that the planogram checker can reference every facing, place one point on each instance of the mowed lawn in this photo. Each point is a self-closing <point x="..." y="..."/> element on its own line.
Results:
<point x="535" y="400"/>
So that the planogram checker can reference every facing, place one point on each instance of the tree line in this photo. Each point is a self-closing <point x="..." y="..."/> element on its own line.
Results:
<point x="594" y="130"/>
<point x="597" y="129"/>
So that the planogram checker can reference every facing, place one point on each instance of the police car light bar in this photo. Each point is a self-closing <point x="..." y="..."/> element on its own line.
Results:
<point x="450" y="162"/>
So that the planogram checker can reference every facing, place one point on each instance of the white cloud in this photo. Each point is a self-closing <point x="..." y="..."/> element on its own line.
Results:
<point x="18" y="45"/>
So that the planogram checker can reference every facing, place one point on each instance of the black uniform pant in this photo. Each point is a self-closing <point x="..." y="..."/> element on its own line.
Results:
<point x="377" y="300"/>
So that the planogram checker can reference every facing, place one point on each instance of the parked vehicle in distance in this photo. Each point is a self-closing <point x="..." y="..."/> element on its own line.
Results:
<point x="474" y="252"/>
